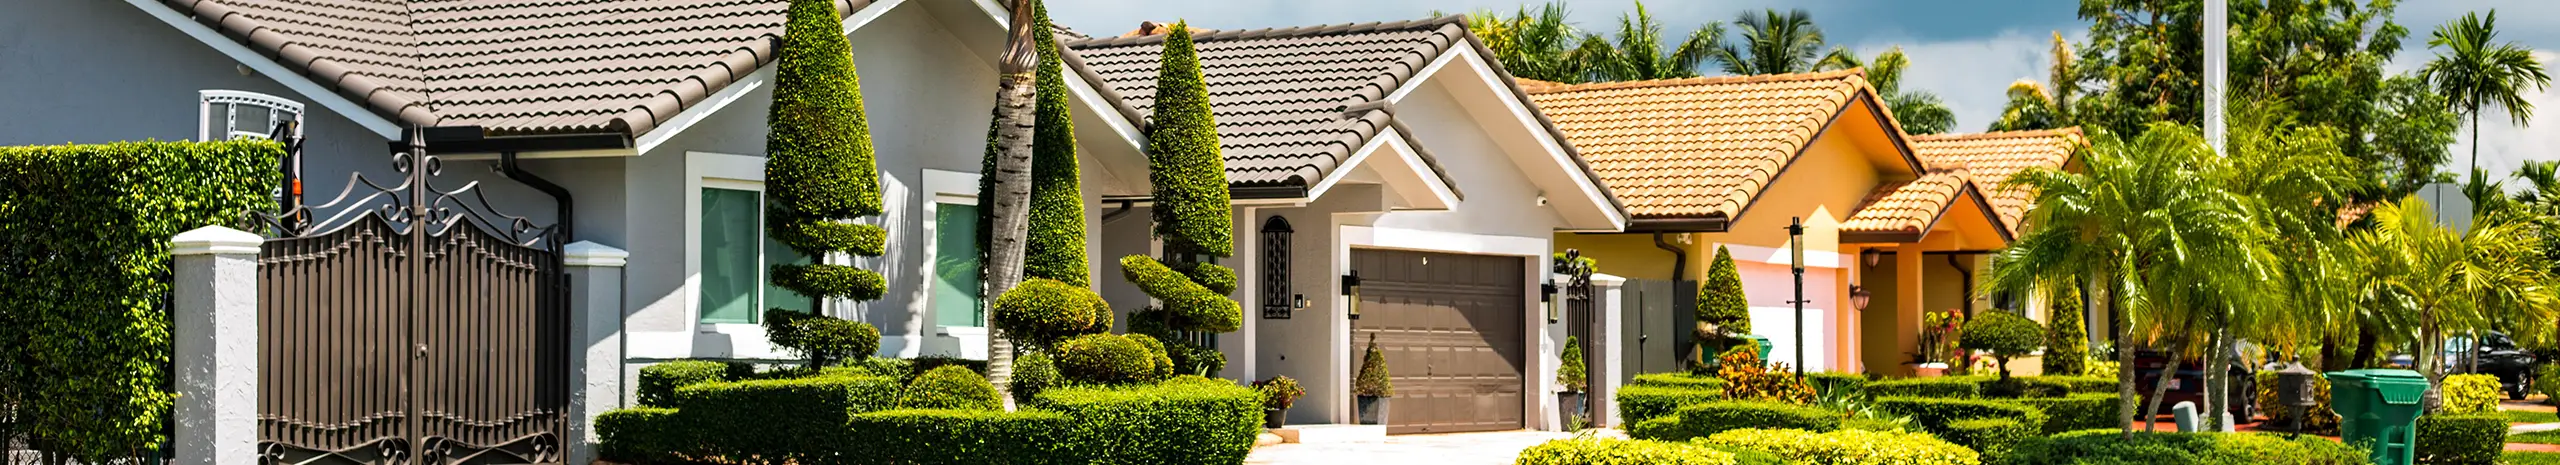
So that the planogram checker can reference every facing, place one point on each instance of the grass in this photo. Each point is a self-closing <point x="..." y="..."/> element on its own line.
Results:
<point x="2521" y="416"/>
<point x="2530" y="458"/>
<point x="2537" y="437"/>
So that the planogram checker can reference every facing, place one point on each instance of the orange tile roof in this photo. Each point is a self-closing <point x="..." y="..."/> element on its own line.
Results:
<point x="1995" y="156"/>
<point x="1908" y="207"/>
<point x="1698" y="147"/>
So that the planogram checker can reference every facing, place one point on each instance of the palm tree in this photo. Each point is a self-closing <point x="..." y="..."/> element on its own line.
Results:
<point x="1533" y="44"/>
<point x="1919" y="111"/>
<point x="2457" y="280"/>
<point x="1637" y="53"/>
<point x="2033" y="106"/>
<point x="2289" y="179"/>
<point x="2474" y="73"/>
<point x="1775" y="43"/>
<point x="1010" y="216"/>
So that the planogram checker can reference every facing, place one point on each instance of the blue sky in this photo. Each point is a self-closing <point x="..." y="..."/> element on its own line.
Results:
<point x="1966" y="51"/>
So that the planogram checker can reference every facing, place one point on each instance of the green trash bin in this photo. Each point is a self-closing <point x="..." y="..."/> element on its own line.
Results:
<point x="1764" y="345"/>
<point x="2379" y="410"/>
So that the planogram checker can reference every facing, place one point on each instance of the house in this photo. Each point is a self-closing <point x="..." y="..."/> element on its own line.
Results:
<point x="1400" y="153"/>
<point x="1898" y="223"/>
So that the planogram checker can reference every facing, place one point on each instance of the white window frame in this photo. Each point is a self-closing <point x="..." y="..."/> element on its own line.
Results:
<point x="945" y="187"/>
<point x="231" y="103"/>
<point x="720" y="171"/>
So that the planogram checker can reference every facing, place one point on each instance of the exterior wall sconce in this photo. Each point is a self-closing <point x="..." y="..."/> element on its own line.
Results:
<point x="1351" y="288"/>
<point x="1547" y="298"/>
<point x="1871" y="256"/>
<point x="1858" y="297"/>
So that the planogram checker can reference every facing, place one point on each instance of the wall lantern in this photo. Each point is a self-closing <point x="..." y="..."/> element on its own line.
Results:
<point x="1871" y="256"/>
<point x="1351" y="288"/>
<point x="1547" y="298"/>
<point x="1858" y="297"/>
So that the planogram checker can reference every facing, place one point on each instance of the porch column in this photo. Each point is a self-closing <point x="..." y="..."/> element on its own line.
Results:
<point x="1606" y="294"/>
<point x="595" y="306"/>
<point x="1845" y="315"/>
<point x="216" y="338"/>
<point x="1908" y="262"/>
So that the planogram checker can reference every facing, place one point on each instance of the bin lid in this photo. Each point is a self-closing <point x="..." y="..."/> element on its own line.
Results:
<point x="2397" y="387"/>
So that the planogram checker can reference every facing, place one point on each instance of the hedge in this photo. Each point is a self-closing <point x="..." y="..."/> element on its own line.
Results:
<point x="819" y="174"/>
<point x="2471" y="394"/>
<point x="1186" y="420"/>
<point x="1937" y="414"/>
<point x="1189" y="175"/>
<point x="1590" y="450"/>
<point x="2076" y="412"/>
<point x="1709" y="383"/>
<point x="84" y="239"/>
<point x="1716" y="417"/>
<point x="1990" y="436"/>
<point x="797" y="419"/>
<point x="2066" y="385"/>
<point x="2461" y="439"/>
<point x="1849" y="447"/>
<point x="643" y="435"/>
<point x="2110" y="447"/>
<point x="658" y="382"/>
<point x="951" y="387"/>
<point x="1640" y="402"/>
<point x="2066" y="340"/>
<point x="1661" y="428"/>
<point x="1027" y="437"/>
<point x="1948" y="387"/>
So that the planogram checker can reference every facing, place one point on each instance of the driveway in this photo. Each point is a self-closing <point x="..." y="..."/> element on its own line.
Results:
<point x="1493" y="448"/>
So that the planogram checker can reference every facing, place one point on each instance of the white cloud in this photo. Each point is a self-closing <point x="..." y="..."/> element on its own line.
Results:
<point x="1972" y="75"/>
<point x="2504" y="145"/>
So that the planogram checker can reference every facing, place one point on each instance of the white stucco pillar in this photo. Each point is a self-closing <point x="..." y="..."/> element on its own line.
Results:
<point x="216" y="338"/>
<point x="595" y="305"/>
<point x="1606" y="294"/>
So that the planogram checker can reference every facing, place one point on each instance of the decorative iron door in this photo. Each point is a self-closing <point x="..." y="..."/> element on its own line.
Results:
<point x="415" y="325"/>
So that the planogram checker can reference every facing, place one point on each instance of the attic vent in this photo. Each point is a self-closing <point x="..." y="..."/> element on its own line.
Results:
<point x="231" y="114"/>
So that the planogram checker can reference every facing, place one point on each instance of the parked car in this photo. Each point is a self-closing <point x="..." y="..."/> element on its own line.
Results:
<point x="2499" y="356"/>
<point x="2188" y="385"/>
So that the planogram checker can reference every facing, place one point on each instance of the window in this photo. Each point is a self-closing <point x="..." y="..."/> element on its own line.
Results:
<point x="957" y="287"/>
<point x="737" y="255"/>
<point x="231" y="114"/>
<point x="1277" y="301"/>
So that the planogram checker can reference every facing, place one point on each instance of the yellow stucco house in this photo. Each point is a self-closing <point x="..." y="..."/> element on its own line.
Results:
<point x="1905" y="221"/>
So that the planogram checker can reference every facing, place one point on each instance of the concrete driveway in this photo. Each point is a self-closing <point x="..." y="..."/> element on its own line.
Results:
<point x="1491" y="448"/>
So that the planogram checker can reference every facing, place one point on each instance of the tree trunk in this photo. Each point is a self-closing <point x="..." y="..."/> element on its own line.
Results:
<point x="2160" y="385"/>
<point x="2329" y="353"/>
<point x="2217" y="381"/>
<point x="2367" y="344"/>
<point x="2127" y="404"/>
<point x="1009" y="219"/>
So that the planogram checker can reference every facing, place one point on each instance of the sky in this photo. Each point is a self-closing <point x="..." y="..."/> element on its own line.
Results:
<point x="1966" y="51"/>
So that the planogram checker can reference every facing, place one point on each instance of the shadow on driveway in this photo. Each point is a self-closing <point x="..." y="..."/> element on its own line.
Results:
<point x="1490" y="448"/>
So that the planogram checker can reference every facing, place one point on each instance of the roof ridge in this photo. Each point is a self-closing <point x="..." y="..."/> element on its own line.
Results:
<point x="1297" y="31"/>
<point x="1697" y="81"/>
<point x="2035" y="133"/>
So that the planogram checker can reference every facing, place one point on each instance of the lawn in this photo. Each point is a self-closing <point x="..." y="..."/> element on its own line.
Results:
<point x="2530" y="458"/>
<point x="2537" y="437"/>
<point x="2522" y="416"/>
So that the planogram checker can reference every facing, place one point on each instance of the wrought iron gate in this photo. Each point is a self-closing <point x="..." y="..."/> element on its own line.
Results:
<point x="413" y="325"/>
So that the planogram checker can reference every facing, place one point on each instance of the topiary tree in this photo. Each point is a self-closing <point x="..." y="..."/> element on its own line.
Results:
<point x="1033" y="372"/>
<point x="2066" y="340"/>
<point x="820" y="175"/>
<point x="1372" y="379"/>
<point x="1042" y="311"/>
<point x="1723" y="312"/>
<point x="950" y="387"/>
<point x="1191" y="214"/>
<point x="1572" y="373"/>
<point x="1105" y="359"/>
<point x="2004" y="334"/>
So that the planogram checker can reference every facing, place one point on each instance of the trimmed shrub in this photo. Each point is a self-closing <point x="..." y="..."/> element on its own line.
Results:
<point x="1589" y="450"/>
<point x="1948" y="388"/>
<point x="1054" y="247"/>
<point x="1193" y="307"/>
<point x="1185" y="420"/>
<point x="84" y="240"/>
<point x="2323" y="420"/>
<point x="1871" y="424"/>
<point x="1640" y="402"/>
<point x="2006" y="335"/>
<point x="1849" y="447"/>
<point x="1041" y="311"/>
<point x="823" y="340"/>
<point x="643" y="435"/>
<point x="1194" y="359"/>
<point x="1936" y="414"/>
<point x="1156" y="358"/>
<point x="2075" y="412"/>
<point x="800" y="419"/>
<point x="2471" y="394"/>
<point x="1662" y="428"/>
<point x="1032" y="373"/>
<point x="1990" y="436"/>
<point x="1571" y="372"/>
<point x="2066" y="338"/>
<point x="1723" y="311"/>
<point x="820" y="173"/>
<point x="658" y="382"/>
<point x="927" y="363"/>
<point x="1372" y="379"/>
<point x="951" y="387"/>
<point x="1189" y="175"/>
<point x="957" y="436"/>
<point x="1680" y="380"/>
<point x="2109" y="447"/>
<point x="1828" y="381"/>
<point x="2058" y="386"/>
<point x="902" y="369"/>
<point x="1105" y="359"/>
<point x="2461" y="439"/>
<point x="1716" y="417"/>
<point x="1746" y="379"/>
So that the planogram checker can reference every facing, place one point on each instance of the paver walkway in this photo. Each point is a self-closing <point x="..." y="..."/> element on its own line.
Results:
<point x="1492" y="448"/>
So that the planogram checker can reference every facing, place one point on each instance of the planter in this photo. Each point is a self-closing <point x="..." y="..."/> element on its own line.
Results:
<point x="1373" y="410"/>
<point x="1272" y="417"/>
<point x="1571" y="405"/>
<point x="1929" y="370"/>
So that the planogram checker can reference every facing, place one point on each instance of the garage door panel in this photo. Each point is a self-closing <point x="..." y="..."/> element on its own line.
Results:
<point x="1451" y="328"/>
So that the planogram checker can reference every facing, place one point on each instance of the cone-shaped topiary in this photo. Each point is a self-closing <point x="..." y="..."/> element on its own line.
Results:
<point x="950" y="387"/>
<point x="1182" y="154"/>
<point x="1723" y="312"/>
<point x="1571" y="373"/>
<point x="1054" y="247"/>
<point x="1372" y="379"/>
<point x="2004" y="334"/>
<point x="2066" y="340"/>
<point x="820" y="174"/>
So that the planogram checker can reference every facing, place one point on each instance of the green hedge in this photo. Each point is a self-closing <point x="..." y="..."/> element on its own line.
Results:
<point x="1956" y="387"/>
<point x="2110" y="447"/>
<point x="658" y="382"/>
<point x="1104" y="359"/>
<point x="84" y="241"/>
<point x="643" y="435"/>
<point x="1828" y="381"/>
<point x="2067" y="385"/>
<point x="1716" y="417"/>
<point x="1661" y="428"/>
<point x="1990" y="436"/>
<point x="1610" y="451"/>
<point x="1680" y="380"/>
<point x="797" y="419"/>
<point x="1027" y="437"/>
<point x="1849" y="447"/>
<point x="2463" y="439"/>
<point x="1640" y="402"/>
<point x="1186" y="420"/>
<point x="2076" y="412"/>
<point x="1937" y="414"/>
<point x="951" y="387"/>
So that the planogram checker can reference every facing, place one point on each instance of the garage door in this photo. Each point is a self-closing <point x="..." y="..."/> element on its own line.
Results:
<point x="1452" y="328"/>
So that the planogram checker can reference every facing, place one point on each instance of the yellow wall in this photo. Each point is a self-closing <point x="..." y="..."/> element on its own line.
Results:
<point x="1824" y="187"/>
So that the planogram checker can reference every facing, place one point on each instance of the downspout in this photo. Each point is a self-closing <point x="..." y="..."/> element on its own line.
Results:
<point x="507" y="165"/>
<point x="1967" y="276"/>
<point x="1125" y="206"/>
<point x="1679" y="258"/>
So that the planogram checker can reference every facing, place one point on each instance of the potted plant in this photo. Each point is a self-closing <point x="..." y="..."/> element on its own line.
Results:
<point x="1937" y="343"/>
<point x="1572" y="403"/>
<point x="1277" y="393"/>
<point x="1371" y="385"/>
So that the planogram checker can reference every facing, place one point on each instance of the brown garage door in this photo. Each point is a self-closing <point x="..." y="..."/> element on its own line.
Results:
<point x="1452" y="329"/>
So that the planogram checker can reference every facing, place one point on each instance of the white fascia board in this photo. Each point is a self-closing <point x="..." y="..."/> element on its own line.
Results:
<point x="1092" y="99"/>
<point x="1527" y="117"/>
<point x="268" y="67"/>
<point x="701" y="111"/>
<point x="1407" y="175"/>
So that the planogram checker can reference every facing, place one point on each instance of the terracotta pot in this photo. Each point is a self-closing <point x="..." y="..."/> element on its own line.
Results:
<point x="1929" y="370"/>
<point x="1272" y="417"/>
<point x="1373" y="410"/>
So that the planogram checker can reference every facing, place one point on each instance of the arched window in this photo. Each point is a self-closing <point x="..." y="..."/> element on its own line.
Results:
<point x="231" y="114"/>
<point x="1277" y="300"/>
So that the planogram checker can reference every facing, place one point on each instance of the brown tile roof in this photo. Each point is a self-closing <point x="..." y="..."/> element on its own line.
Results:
<point x="513" y="66"/>
<point x="1698" y="147"/>
<point x="1993" y="157"/>
<point x="1908" y="207"/>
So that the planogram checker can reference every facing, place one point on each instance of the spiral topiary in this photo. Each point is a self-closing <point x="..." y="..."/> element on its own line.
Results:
<point x="820" y="174"/>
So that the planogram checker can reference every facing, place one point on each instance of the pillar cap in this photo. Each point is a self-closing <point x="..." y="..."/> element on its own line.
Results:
<point x="215" y="240"/>
<point x="584" y="253"/>
<point x="1606" y="279"/>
